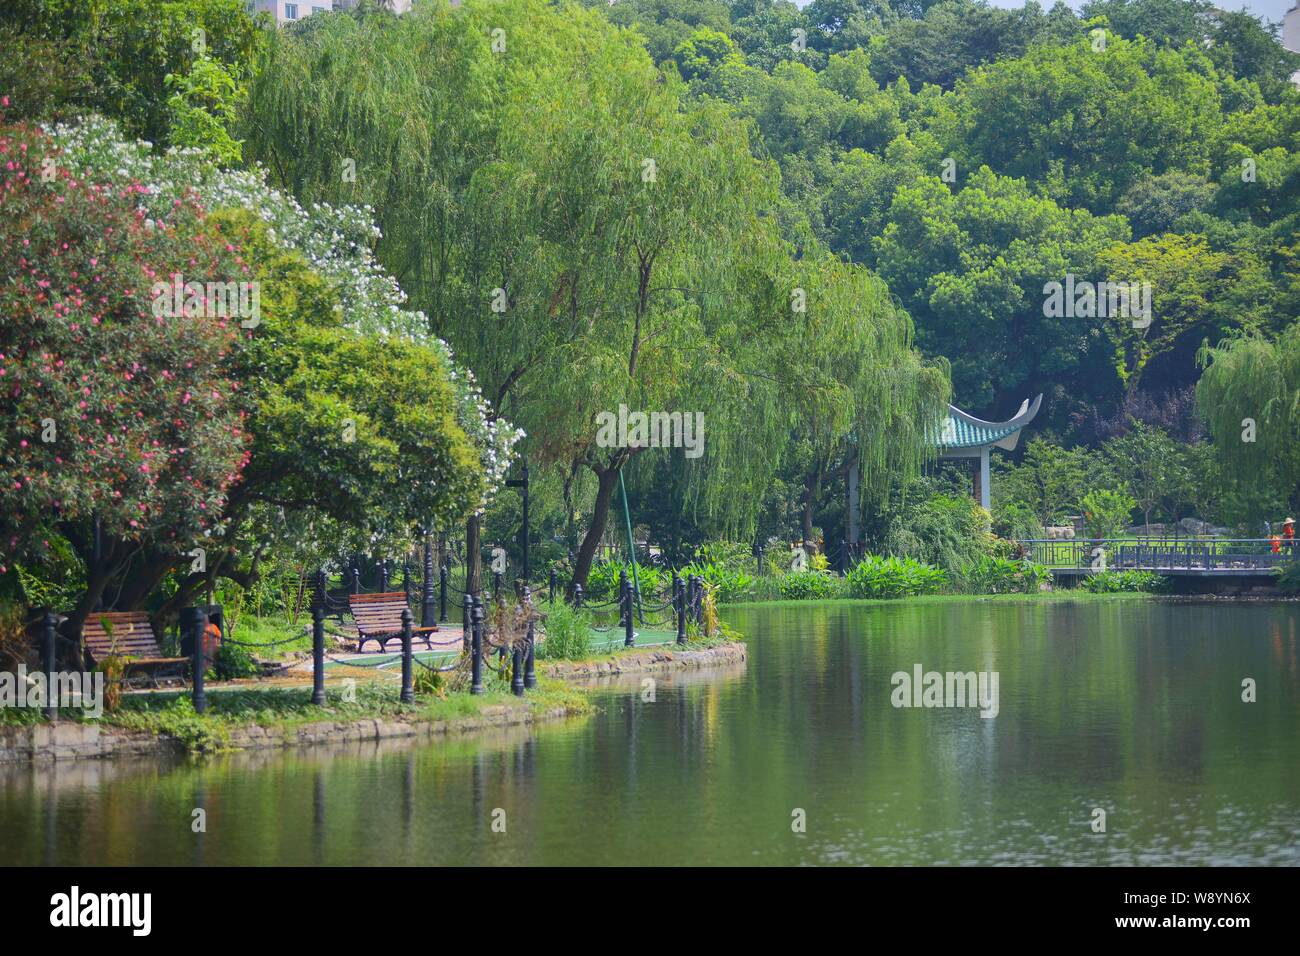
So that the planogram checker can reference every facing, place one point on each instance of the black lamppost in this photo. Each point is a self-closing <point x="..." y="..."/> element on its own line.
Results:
<point x="517" y="655"/>
<point x="318" y="642"/>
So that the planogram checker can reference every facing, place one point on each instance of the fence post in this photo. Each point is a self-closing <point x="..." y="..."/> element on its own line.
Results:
<point x="197" y="620"/>
<point x="475" y="605"/>
<point x="552" y="589"/>
<point x="383" y="575"/>
<point x="517" y="655"/>
<point x="406" y="579"/>
<point x="679" y="605"/>
<point x="629" y="635"/>
<point x="356" y="577"/>
<point x="318" y="642"/>
<point x="623" y="606"/>
<point x="530" y="670"/>
<point x="428" y="610"/>
<point x="467" y="616"/>
<point x="408" y="694"/>
<point x="442" y="594"/>
<point x="498" y="585"/>
<point x="48" y="625"/>
<point x="577" y="597"/>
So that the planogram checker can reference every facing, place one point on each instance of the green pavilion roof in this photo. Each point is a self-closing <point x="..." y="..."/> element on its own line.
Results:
<point x="958" y="433"/>
<point x="961" y="430"/>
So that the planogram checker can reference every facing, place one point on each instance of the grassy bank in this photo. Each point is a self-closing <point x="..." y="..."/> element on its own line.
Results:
<point x="284" y="707"/>
<point x="279" y="706"/>
<point x="1073" y="595"/>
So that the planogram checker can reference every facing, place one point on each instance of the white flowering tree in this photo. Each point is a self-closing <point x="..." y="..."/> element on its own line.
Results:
<point x="363" y="429"/>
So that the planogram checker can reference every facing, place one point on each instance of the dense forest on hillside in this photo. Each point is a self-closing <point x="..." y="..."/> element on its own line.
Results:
<point x="969" y="155"/>
<point x="812" y="228"/>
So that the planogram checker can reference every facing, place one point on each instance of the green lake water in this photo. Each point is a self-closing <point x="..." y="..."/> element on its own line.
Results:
<point x="1133" y="707"/>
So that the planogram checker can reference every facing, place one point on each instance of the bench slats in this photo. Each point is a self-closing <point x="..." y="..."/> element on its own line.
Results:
<point x="132" y="633"/>
<point x="132" y="637"/>
<point x="379" y="616"/>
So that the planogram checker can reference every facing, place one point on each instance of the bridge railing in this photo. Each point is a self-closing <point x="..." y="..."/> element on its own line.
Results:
<point x="1157" y="554"/>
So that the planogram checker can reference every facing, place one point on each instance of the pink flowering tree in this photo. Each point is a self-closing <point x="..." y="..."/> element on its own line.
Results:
<point x="115" y="409"/>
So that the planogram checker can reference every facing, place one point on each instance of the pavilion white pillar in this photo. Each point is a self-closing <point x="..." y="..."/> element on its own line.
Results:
<point x="984" y="479"/>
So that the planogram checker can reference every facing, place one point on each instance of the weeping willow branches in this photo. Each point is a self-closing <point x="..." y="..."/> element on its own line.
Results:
<point x="588" y="237"/>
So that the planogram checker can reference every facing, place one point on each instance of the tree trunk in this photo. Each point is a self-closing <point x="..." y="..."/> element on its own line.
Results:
<point x="606" y="480"/>
<point x="570" y="522"/>
<point x="812" y="491"/>
<point x="99" y="574"/>
<point x="96" y="581"/>
<point x="473" y="549"/>
<point x="143" y="581"/>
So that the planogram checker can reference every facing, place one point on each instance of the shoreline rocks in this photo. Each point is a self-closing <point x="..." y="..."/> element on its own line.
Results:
<point x="68" y="740"/>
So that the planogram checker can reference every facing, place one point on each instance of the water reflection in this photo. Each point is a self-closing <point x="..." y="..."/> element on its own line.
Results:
<point x="1130" y="707"/>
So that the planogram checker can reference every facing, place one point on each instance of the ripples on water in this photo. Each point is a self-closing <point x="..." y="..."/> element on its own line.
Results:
<point x="1133" y="707"/>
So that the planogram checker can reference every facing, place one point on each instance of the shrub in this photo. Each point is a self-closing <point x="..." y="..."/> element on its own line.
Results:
<point x="732" y="555"/>
<point x="807" y="586"/>
<point x="992" y="575"/>
<point x="944" y="530"/>
<point x="731" y="584"/>
<point x="57" y="581"/>
<point x="565" y="633"/>
<point x="1106" y="512"/>
<point x="1288" y="577"/>
<point x="427" y="682"/>
<point x="15" y="645"/>
<point x="233" y="661"/>
<point x="1014" y="520"/>
<point x="602" y="580"/>
<point x="877" y="577"/>
<point x="1111" y="582"/>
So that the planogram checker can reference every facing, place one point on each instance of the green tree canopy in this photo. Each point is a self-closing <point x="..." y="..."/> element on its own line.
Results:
<point x="565" y="215"/>
<point x="1250" y="397"/>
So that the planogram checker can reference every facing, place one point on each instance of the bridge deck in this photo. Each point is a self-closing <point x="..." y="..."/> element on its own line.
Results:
<point x="1196" y="557"/>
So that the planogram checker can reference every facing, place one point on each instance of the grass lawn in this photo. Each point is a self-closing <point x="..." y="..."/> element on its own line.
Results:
<point x="273" y="634"/>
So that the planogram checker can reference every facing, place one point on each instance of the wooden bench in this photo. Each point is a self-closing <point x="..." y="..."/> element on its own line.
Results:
<point x="132" y="638"/>
<point x="379" y="617"/>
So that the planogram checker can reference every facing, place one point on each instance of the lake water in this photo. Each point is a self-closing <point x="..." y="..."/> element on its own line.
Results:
<point x="1132" y="707"/>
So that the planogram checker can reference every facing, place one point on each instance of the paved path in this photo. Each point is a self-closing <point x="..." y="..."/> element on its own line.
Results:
<point x="447" y="645"/>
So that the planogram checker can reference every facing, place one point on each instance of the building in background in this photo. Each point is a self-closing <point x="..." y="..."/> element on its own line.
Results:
<point x="289" y="11"/>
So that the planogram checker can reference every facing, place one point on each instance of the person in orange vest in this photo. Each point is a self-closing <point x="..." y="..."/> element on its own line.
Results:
<point x="1276" y="541"/>
<point x="211" y="641"/>
<point x="1288" y="534"/>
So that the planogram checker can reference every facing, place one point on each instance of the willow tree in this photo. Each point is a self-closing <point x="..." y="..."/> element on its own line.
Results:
<point x="580" y="232"/>
<point x="861" y="395"/>
<point x="1249" y="394"/>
